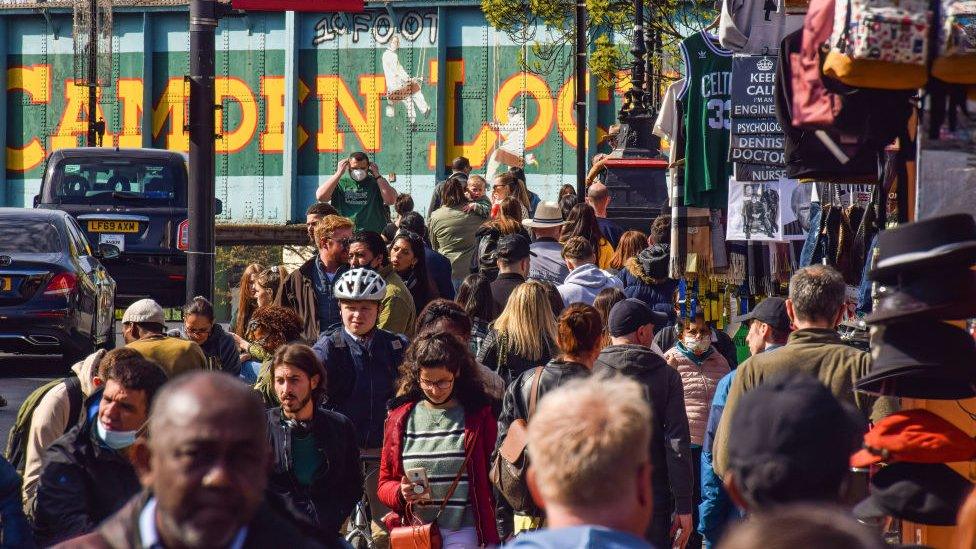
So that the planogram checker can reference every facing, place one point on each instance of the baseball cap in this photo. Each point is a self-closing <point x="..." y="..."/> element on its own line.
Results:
<point x="796" y="421"/>
<point x="144" y="310"/>
<point x="513" y="247"/>
<point x="926" y="493"/>
<point x="916" y="436"/>
<point x="627" y="315"/>
<point x="772" y="311"/>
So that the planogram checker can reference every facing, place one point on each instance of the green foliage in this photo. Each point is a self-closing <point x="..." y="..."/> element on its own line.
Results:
<point x="610" y="26"/>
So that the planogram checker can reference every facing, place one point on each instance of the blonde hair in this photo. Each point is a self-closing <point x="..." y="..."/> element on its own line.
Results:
<point x="526" y="316"/>
<point x="587" y="440"/>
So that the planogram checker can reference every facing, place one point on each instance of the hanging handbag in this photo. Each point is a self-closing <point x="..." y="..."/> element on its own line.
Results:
<point x="508" y="470"/>
<point x="414" y="534"/>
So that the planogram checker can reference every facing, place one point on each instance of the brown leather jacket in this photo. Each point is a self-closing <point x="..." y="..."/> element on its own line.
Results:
<point x="268" y="528"/>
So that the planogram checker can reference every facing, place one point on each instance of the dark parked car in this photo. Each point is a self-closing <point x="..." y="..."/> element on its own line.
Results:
<point x="55" y="295"/>
<point x="134" y="199"/>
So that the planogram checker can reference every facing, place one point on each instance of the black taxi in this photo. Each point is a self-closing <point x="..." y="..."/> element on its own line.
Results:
<point x="133" y="199"/>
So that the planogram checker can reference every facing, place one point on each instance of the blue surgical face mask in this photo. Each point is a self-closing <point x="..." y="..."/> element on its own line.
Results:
<point x="116" y="440"/>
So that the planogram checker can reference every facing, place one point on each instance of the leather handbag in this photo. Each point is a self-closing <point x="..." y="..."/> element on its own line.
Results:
<point x="507" y="473"/>
<point x="414" y="534"/>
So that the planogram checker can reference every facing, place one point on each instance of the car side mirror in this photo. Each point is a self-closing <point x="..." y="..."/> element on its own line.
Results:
<point x="108" y="251"/>
<point x="218" y="206"/>
<point x="37" y="200"/>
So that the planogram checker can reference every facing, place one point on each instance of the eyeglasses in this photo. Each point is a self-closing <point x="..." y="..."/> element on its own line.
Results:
<point x="446" y="384"/>
<point x="198" y="332"/>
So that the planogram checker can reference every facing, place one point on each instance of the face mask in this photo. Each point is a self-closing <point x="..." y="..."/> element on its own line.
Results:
<point x="357" y="174"/>
<point x="116" y="440"/>
<point x="697" y="346"/>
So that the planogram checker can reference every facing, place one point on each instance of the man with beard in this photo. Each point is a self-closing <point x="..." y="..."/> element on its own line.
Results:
<point x="204" y="472"/>
<point x="316" y="461"/>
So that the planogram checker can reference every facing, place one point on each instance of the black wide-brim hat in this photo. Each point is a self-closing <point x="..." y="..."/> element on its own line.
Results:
<point x="945" y="294"/>
<point x="922" y="358"/>
<point x="925" y="493"/>
<point x="923" y="245"/>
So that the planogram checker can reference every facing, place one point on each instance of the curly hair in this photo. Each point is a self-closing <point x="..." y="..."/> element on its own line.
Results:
<point x="280" y="324"/>
<point x="443" y="350"/>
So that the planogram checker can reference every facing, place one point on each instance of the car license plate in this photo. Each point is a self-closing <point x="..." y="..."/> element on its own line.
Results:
<point x="6" y="284"/>
<point x="112" y="226"/>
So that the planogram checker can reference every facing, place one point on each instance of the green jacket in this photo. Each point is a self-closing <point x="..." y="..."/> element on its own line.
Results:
<point x="397" y="310"/>
<point x="452" y="233"/>
<point x="815" y="351"/>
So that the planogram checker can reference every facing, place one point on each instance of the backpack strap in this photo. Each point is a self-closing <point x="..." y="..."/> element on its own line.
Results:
<point x="75" y="397"/>
<point x="534" y="390"/>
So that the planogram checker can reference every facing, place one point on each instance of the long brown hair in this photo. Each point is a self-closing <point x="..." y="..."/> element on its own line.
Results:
<point x="581" y="221"/>
<point x="245" y="301"/>
<point x="443" y="350"/>
<point x="631" y="243"/>
<point x="509" y="219"/>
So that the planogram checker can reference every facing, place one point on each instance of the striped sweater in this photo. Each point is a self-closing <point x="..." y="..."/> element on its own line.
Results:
<point x="434" y="440"/>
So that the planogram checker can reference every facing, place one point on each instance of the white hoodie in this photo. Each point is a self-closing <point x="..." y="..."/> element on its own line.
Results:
<point x="584" y="282"/>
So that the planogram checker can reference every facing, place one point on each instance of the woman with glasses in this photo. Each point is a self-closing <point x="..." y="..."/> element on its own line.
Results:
<point x="409" y="259"/>
<point x="219" y="346"/>
<point x="437" y="444"/>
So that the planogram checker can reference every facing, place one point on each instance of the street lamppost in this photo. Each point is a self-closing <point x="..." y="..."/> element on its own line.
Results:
<point x="636" y="139"/>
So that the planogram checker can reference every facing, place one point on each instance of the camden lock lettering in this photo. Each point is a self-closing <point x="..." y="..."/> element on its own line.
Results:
<point x="757" y="142"/>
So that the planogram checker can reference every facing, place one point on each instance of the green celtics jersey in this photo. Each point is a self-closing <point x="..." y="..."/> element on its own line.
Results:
<point x="707" y="100"/>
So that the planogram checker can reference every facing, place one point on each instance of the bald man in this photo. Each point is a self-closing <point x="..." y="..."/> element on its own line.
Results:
<point x="204" y="470"/>
<point x="598" y="196"/>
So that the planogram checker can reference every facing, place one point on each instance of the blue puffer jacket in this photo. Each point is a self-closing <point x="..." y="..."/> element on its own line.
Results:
<point x="716" y="510"/>
<point x="656" y="294"/>
<point x="14" y="528"/>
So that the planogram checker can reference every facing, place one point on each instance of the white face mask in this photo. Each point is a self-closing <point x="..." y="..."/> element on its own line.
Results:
<point x="116" y="440"/>
<point x="697" y="346"/>
<point x="357" y="174"/>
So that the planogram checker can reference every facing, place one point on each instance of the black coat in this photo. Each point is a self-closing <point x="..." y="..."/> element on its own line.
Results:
<point x="505" y="361"/>
<point x="337" y="485"/>
<point x="670" y="453"/>
<point x="81" y="484"/>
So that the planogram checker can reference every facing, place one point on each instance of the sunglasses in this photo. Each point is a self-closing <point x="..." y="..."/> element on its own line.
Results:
<point x="344" y="242"/>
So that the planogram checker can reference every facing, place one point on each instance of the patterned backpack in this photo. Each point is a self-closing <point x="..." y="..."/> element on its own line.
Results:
<point x="956" y="55"/>
<point x="880" y="43"/>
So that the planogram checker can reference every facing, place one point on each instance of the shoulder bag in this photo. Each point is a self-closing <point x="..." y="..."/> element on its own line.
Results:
<point x="414" y="534"/>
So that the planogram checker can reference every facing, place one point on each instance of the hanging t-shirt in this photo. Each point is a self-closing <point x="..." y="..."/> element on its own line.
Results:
<point x="361" y="202"/>
<point x="707" y="101"/>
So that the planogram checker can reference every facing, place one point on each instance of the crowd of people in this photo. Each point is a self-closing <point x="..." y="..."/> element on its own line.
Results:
<point x="515" y="371"/>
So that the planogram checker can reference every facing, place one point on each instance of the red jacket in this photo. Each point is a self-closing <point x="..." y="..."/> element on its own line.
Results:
<point x="391" y="468"/>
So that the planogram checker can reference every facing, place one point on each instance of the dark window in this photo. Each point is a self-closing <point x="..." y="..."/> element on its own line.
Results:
<point x="25" y="236"/>
<point x="110" y="180"/>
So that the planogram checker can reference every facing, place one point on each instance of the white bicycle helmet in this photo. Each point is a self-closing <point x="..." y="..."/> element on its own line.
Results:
<point x="360" y="285"/>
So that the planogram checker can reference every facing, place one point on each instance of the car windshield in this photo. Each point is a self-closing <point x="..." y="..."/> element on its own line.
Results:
<point x="109" y="181"/>
<point x="18" y="235"/>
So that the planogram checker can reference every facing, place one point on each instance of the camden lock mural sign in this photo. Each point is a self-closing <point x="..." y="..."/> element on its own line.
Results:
<point x="365" y="82"/>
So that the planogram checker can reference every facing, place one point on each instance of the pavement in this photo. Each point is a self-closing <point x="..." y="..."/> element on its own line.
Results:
<point x="21" y="374"/>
